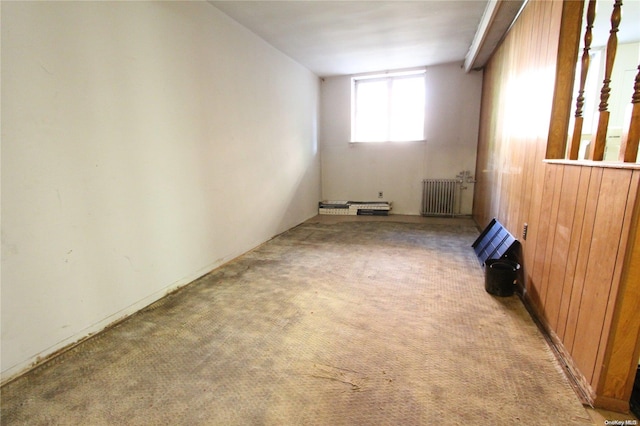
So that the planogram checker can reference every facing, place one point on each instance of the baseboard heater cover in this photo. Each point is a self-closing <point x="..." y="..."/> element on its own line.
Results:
<point x="353" y="208"/>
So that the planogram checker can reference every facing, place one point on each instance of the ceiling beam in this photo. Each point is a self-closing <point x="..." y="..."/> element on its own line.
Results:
<point x="498" y="17"/>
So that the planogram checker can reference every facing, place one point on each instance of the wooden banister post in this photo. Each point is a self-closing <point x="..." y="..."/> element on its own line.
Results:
<point x="568" y="49"/>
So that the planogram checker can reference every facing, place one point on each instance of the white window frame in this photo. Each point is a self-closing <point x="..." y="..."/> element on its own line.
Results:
<point x="389" y="77"/>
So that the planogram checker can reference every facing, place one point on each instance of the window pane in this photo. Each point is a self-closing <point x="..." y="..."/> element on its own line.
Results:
<point x="389" y="108"/>
<point x="407" y="109"/>
<point x="372" y="111"/>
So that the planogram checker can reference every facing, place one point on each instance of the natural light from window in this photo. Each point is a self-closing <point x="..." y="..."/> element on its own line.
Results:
<point x="388" y="108"/>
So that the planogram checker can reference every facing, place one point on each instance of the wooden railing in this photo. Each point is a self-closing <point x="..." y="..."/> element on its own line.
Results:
<point x="628" y="152"/>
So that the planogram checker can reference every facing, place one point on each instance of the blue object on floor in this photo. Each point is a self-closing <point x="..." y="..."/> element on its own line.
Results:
<point x="494" y="242"/>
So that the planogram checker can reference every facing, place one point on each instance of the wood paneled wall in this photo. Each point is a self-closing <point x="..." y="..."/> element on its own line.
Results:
<point x="586" y="293"/>
<point x="581" y="255"/>
<point x="515" y="117"/>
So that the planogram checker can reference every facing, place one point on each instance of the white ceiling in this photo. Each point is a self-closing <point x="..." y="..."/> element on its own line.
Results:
<point x="351" y="37"/>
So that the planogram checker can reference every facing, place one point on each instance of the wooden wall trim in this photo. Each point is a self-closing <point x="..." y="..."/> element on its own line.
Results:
<point x="601" y="164"/>
<point x="577" y="380"/>
<point x="611" y="404"/>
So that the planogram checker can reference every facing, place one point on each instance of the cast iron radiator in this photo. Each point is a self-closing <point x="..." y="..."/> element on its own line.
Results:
<point x="439" y="197"/>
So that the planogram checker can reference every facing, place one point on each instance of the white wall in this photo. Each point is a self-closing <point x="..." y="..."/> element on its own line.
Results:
<point x="359" y="171"/>
<point x="143" y="144"/>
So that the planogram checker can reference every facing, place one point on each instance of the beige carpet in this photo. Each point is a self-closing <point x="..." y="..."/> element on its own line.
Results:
<point x="355" y="323"/>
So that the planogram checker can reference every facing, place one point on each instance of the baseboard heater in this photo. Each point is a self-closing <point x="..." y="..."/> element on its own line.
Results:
<point x="440" y="197"/>
<point x="353" y="208"/>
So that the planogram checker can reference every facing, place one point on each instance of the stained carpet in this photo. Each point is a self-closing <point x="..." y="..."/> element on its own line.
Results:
<point x="355" y="323"/>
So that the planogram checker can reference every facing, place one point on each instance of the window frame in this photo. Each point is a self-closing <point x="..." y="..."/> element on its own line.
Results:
<point x="389" y="77"/>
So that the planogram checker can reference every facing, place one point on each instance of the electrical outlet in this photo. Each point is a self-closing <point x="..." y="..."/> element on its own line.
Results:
<point x="379" y="194"/>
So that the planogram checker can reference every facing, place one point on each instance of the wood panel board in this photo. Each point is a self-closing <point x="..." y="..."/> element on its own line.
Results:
<point x="598" y="280"/>
<point x="534" y="169"/>
<point x="558" y="289"/>
<point x="528" y="168"/>
<point x="586" y="232"/>
<point x="624" y="346"/>
<point x="626" y="184"/>
<point x="551" y="242"/>
<point x="543" y="58"/>
<point x="481" y="193"/>
<point x="518" y="149"/>
<point x="572" y="251"/>
<point x="542" y="236"/>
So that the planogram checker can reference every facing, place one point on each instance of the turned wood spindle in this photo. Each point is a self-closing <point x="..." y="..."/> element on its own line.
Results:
<point x="598" y="144"/>
<point x="584" y="69"/>
<point x="629" y="145"/>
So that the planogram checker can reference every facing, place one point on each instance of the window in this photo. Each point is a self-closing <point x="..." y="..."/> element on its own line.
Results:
<point x="388" y="107"/>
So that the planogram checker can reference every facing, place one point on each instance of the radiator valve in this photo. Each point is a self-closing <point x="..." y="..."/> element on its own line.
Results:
<point x="463" y="177"/>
